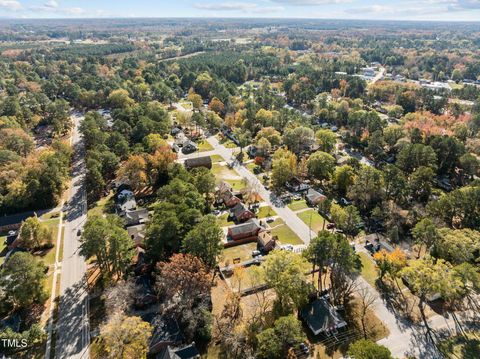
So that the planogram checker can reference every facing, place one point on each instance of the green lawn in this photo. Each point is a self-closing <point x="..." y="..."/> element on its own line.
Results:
<point x="101" y="205"/>
<point x="223" y="220"/>
<point x="461" y="347"/>
<point x="369" y="269"/>
<point x="229" y="144"/>
<point x="244" y="252"/>
<point x="223" y="173"/>
<point x="312" y="219"/>
<point x="298" y="205"/>
<point x="265" y="211"/>
<point x="250" y="166"/>
<point x="286" y="235"/>
<point x="204" y="146"/>
<point x="217" y="158"/>
<point x="2" y="247"/>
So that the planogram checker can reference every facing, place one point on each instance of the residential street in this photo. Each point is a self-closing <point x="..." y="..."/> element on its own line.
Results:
<point x="404" y="338"/>
<point x="72" y="328"/>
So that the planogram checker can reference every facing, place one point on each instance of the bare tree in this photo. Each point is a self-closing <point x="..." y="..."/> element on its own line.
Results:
<point x="367" y="301"/>
<point x="120" y="297"/>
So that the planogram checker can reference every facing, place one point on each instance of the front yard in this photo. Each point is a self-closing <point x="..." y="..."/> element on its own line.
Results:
<point x="313" y="219"/>
<point x="230" y="176"/>
<point x="284" y="233"/>
<point x="298" y="205"/>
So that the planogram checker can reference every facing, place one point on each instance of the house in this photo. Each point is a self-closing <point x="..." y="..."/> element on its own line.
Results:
<point x="197" y="162"/>
<point x="135" y="217"/>
<point x="137" y="233"/>
<point x="251" y="228"/>
<point x="14" y="221"/>
<point x="224" y="195"/>
<point x="187" y="352"/>
<point x="240" y="213"/>
<point x="125" y="201"/>
<point x="313" y="198"/>
<point x="166" y="333"/>
<point x="267" y="242"/>
<point x="144" y="295"/>
<point x="321" y="317"/>
<point x="189" y="147"/>
<point x="295" y="185"/>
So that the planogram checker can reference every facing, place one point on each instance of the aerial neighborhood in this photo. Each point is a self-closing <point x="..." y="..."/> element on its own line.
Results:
<point x="239" y="188"/>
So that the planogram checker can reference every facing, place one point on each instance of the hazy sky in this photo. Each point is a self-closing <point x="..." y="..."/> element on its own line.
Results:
<point x="341" y="9"/>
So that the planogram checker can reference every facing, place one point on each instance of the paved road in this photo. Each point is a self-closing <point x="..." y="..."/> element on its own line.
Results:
<point x="378" y="76"/>
<point x="72" y="327"/>
<point x="404" y="338"/>
<point x="288" y="216"/>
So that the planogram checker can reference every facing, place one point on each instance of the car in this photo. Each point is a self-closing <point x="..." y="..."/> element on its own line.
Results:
<point x="344" y="202"/>
<point x="256" y="253"/>
<point x="331" y="226"/>
<point x="269" y="220"/>
<point x="216" y="212"/>
<point x="297" y="197"/>
<point x="287" y="247"/>
<point x="79" y="233"/>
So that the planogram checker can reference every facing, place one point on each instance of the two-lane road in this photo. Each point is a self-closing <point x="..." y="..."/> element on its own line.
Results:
<point x="72" y="331"/>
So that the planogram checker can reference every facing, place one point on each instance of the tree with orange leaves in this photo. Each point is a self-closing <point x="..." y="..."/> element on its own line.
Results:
<point x="133" y="172"/>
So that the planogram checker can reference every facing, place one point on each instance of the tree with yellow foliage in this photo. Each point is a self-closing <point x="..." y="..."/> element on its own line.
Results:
<point x="133" y="172"/>
<point x="124" y="337"/>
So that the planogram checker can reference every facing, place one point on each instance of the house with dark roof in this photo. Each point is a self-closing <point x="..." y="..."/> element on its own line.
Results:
<point x="240" y="213"/>
<point x="321" y="317"/>
<point x="313" y="197"/>
<point x="251" y="228"/>
<point x="204" y="161"/>
<point x="166" y="333"/>
<point x="295" y="185"/>
<point x="186" y="352"/>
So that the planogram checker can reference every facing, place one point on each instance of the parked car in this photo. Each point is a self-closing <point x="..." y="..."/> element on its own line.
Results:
<point x="331" y="226"/>
<point x="304" y="348"/>
<point x="79" y="233"/>
<point x="256" y="253"/>
<point x="269" y="220"/>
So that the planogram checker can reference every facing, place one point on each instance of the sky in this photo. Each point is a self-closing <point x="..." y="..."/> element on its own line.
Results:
<point x="448" y="10"/>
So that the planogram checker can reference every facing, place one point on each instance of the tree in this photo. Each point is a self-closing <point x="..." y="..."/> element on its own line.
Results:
<point x="367" y="349"/>
<point x="183" y="279"/>
<point x="274" y="342"/>
<point x="107" y="241"/>
<point x="457" y="245"/>
<point x="133" y="172"/>
<point x="425" y="233"/>
<point x="216" y="106"/>
<point x="319" y="252"/>
<point x="413" y="156"/>
<point x="284" y="167"/>
<point x="125" y="337"/>
<point x="284" y="272"/>
<point x="343" y="177"/>
<point x="321" y="165"/>
<point x="22" y="280"/>
<point x="367" y="301"/>
<point x="204" y="241"/>
<point x="120" y="99"/>
<point x="298" y="138"/>
<point x="326" y="139"/>
<point x="396" y="185"/>
<point x="346" y="219"/>
<point x="16" y="140"/>
<point x="367" y="189"/>
<point x="469" y="164"/>
<point x="33" y="234"/>
<point x="421" y="183"/>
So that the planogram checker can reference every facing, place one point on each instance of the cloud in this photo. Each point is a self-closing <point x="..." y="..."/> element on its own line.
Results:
<point x="462" y="5"/>
<point x="10" y="4"/>
<point x="74" y="11"/>
<point x="227" y="6"/>
<point x="51" y="4"/>
<point x="310" y="2"/>
<point x="250" y="8"/>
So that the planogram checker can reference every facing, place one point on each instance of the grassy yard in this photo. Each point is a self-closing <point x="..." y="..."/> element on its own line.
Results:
<point x="286" y="235"/>
<point x="223" y="173"/>
<point x="244" y="252"/>
<point x="2" y="248"/>
<point x="298" y="205"/>
<point x="204" y="146"/>
<point x="216" y="158"/>
<point x="265" y="211"/>
<point x="369" y="269"/>
<point x="223" y="220"/>
<point x="101" y="206"/>
<point x="250" y="166"/>
<point x="461" y="347"/>
<point x="313" y="219"/>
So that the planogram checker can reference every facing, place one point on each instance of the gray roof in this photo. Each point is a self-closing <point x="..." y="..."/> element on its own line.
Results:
<point x="247" y="227"/>
<point x="239" y="209"/>
<point x="321" y="317"/>
<point x="204" y="161"/>
<point x="313" y="195"/>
